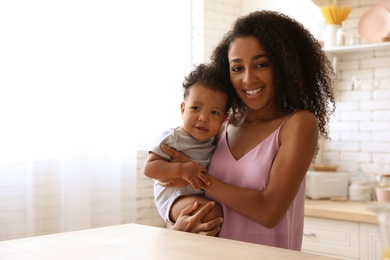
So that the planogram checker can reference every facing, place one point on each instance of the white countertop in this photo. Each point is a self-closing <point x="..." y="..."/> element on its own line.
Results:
<point x="134" y="241"/>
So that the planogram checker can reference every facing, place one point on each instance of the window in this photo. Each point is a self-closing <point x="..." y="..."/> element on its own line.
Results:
<point x="82" y="84"/>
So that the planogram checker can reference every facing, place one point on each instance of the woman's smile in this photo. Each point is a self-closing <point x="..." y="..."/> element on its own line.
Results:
<point x="252" y="92"/>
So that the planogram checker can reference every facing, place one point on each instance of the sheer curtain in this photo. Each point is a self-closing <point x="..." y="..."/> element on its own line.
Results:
<point x="83" y="84"/>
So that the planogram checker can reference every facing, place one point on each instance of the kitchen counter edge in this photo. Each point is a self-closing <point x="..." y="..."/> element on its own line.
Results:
<point x="340" y="210"/>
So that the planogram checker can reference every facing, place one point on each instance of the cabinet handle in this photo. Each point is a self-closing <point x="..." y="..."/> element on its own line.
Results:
<point x="309" y="234"/>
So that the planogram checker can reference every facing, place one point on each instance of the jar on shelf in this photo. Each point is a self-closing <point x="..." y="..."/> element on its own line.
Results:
<point x="348" y="30"/>
<point x="360" y="187"/>
<point x="360" y="190"/>
<point x="340" y="36"/>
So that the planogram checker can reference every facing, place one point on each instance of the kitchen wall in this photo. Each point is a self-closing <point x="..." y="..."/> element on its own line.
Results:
<point x="360" y="129"/>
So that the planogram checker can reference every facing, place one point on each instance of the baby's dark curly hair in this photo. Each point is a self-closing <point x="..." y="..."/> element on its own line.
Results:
<point x="303" y="75"/>
<point x="212" y="77"/>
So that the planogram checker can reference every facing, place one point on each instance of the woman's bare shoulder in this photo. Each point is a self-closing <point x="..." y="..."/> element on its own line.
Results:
<point x="302" y="117"/>
<point x="302" y="121"/>
<point x="300" y="128"/>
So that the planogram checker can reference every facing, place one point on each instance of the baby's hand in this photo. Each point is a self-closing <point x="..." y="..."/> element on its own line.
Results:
<point x="193" y="172"/>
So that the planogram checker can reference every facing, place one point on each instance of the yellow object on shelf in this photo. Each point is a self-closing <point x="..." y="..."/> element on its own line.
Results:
<point x="334" y="14"/>
<point x="386" y="254"/>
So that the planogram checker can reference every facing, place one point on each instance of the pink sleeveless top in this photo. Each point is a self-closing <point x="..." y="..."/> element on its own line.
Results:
<point x="252" y="171"/>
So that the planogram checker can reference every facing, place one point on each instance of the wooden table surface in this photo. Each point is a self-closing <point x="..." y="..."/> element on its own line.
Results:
<point x="134" y="241"/>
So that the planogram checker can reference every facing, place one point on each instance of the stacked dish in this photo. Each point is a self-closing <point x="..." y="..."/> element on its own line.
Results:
<point x="374" y="25"/>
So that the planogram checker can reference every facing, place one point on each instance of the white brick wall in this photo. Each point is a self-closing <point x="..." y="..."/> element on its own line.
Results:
<point x="218" y="18"/>
<point x="360" y="129"/>
<point x="361" y="119"/>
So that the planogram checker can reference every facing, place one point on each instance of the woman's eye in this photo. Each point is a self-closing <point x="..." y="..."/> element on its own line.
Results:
<point x="236" y="69"/>
<point x="262" y="65"/>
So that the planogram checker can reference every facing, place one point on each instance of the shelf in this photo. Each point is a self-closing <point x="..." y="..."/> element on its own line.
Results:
<point x="360" y="47"/>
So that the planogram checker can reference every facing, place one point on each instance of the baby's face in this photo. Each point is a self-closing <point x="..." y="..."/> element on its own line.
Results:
<point x="203" y="112"/>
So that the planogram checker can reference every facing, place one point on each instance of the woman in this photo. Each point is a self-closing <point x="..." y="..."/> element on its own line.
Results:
<point x="283" y="83"/>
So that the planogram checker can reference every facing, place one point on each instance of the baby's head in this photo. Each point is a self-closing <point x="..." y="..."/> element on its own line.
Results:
<point x="210" y="77"/>
<point x="207" y="100"/>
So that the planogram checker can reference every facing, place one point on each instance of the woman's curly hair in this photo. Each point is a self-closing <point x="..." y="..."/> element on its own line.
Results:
<point x="303" y="75"/>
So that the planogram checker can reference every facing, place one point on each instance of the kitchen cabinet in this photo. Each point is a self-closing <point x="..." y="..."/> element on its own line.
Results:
<point x="370" y="237"/>
<point x="331" y="237"/>
<point x="342" y="239"/>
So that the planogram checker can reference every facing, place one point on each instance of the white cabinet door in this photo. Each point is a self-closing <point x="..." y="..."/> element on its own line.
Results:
<point x="331" y="238"/>
<point x="370" y="241"/>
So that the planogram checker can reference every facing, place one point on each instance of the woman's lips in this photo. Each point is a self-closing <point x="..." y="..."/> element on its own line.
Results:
<point x="252" y="92"/>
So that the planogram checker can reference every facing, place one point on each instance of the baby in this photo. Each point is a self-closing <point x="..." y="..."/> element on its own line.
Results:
<point x="204" y="109"/>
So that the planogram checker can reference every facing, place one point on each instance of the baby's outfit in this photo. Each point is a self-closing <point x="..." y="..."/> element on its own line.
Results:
<point x="196" y="150"/>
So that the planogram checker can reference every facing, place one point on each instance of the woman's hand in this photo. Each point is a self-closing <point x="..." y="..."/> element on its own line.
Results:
<point x="176" y="156"/>
<point x="192" y="223"/>
<point x="182" y="158"/>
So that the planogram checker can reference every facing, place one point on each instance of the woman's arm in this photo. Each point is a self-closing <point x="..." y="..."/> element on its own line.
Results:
<point x="159" y="168"/>
<point x="298" y="144"/>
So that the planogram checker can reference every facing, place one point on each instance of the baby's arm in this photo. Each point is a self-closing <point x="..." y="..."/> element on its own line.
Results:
<point x="159" y="168"/>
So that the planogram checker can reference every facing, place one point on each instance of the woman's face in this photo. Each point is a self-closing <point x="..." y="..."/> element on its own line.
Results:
<point x="251" y="73"/>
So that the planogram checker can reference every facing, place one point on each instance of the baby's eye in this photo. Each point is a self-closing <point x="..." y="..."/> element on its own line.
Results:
<point x="215" y="113"/>
<point x="195" y="108"/>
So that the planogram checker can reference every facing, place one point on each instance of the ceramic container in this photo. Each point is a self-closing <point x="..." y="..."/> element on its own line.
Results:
<point x="383" y="194"/>
<point x="330" y="35"/>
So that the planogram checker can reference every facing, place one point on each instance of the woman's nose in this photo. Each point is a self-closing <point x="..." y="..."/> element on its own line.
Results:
<point x="248" y="76"/>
